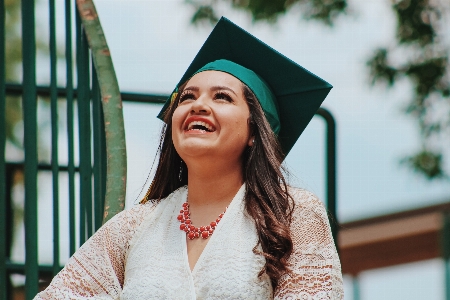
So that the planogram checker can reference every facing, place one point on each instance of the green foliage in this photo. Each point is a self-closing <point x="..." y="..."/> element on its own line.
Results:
<point x="425" y="65"/>
<point x="324" y="11"/>
<point x="380" y="69"/>
<point x="263" y="10"/>
<point x="13" y="117"/>
<point x="13" y="52"/>
<point x="204" y="13"/>
<point x="13" y="39"/>
<point x="414" y="21"/>
<point x="426" y="163"/>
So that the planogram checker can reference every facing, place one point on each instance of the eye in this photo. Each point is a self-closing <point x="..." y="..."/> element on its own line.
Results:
<point x="223" y="96"/>
<point x="186" y="96"/>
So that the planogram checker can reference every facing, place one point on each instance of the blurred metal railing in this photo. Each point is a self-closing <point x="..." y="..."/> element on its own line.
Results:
<point x="89" y="106"/>
<point x="3" y="192"/>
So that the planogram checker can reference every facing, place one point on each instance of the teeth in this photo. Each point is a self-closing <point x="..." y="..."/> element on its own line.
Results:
<point x="200" y="123"/>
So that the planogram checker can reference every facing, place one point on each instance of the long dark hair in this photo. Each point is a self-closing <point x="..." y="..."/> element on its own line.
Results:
<point x="267" y="199"/>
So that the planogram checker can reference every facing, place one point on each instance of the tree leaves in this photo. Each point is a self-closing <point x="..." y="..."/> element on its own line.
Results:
<point x="425" y="65"/>
<point x="414" y="21"/>
<point x="324" y="11"/>
<point x="426" y="163"/>
<point x="379" y="68"/>
<point x="204" y="13"/>
<point x="262" y="9"/>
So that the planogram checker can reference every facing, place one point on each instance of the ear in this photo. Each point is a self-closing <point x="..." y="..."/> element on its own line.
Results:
<point x="251" y="141"/>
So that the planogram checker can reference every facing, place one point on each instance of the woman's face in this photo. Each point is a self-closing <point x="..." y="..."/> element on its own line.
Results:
<point x="211" y="119"/>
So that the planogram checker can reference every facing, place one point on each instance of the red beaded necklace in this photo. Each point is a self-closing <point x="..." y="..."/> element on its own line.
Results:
<point x="193" y="232"/>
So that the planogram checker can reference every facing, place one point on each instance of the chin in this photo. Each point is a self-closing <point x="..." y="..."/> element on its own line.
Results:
<point x="194" y="149"/>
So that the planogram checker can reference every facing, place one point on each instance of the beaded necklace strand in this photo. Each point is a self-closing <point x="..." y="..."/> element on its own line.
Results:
<point x="193" y="232"/>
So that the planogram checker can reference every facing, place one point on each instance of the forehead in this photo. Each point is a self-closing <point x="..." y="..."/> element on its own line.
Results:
<point x="215" y="78"/>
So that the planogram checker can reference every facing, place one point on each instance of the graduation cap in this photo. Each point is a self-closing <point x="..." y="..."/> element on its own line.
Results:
<point x="289" y="94"/>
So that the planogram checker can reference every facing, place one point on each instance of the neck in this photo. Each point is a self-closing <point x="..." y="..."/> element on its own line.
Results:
<point x="213" y="185"/>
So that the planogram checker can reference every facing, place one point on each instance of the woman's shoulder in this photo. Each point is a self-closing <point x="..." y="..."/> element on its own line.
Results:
<point x="139" y="210"/>
<point x="309" y="223"/>
<point x="304" y="198"/>
<point x="137" y="213"/>
<point x="131" y="217"/>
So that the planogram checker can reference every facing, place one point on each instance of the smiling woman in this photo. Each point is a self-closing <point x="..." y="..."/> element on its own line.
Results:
<point x="219" y="220"/>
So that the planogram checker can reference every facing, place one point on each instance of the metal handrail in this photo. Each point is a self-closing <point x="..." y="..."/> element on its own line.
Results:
<point x="331" y="167"/>
<point x="108" y="87"/>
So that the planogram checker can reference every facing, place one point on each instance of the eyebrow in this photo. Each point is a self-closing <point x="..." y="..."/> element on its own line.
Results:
<point x="221" y="87"/>
<point x="192" y="88"/>
<point x="214" y="88"/>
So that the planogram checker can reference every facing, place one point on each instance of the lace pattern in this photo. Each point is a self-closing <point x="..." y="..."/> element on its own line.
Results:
<point x="316" y="269"/>
<point x="120" y="260"/>
<point x="157" y="265"/>
<point x="96" y="270"/>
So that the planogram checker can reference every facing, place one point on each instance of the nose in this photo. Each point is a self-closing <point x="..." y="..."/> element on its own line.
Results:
<point x="200" y="106"/>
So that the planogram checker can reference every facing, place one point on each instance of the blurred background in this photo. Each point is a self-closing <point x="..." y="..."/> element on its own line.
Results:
<point x="388" y="63"/>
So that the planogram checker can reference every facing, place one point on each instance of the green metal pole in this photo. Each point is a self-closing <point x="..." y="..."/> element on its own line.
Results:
<point x="10" y="171"/>
<point x="97" y="154"/>
<point x="331" y="172"/>
<point x="112" y="108"/>
<point x="54" y="122"/>
<point x="356" y="288"/>
<point x="99" y="151"/>
<point x="30" y="145"/>
<point x="84" y="128"/>
<point x="3" y="243"/>
<point x="70" y="129"/>
<point x="447" y="279"/>
<point x="445" y="249"/>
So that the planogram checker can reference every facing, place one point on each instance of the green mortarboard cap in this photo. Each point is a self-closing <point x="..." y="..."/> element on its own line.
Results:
<point x="255" y="83"/>
<point x="298" y="93"/>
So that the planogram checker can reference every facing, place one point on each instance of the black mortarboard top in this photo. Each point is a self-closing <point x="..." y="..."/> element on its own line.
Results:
<point x="298" y="92"/>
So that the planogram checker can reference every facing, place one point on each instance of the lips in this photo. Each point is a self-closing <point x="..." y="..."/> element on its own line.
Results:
<point x="199" y="125"/>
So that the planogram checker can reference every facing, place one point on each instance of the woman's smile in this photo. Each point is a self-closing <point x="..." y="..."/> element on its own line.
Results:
<point x="198" y="125"/>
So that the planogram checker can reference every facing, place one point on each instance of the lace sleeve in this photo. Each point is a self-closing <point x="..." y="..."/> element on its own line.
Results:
<point x="96" y="270"/>
<point x="316" y="270"/>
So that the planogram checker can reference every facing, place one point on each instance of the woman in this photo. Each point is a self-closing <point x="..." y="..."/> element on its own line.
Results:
<point x="219" y="221"/>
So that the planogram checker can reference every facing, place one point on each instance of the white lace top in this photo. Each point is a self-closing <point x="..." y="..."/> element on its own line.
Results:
<point x="141" y="254"/>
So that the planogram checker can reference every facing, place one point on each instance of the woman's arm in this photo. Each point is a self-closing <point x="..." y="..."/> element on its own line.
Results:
<point x="315" y="266"/>
<point x="96" y="270"/>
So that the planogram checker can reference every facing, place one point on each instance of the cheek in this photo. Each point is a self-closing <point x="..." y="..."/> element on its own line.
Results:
<point x="243" y="123"/>
<point x="177" y="118"/>
<point x="240" y="127"/>
<point x="177" y="123"/>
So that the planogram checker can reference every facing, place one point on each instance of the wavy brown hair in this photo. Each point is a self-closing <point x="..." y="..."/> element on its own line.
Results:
<point x="267" y="200"/>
